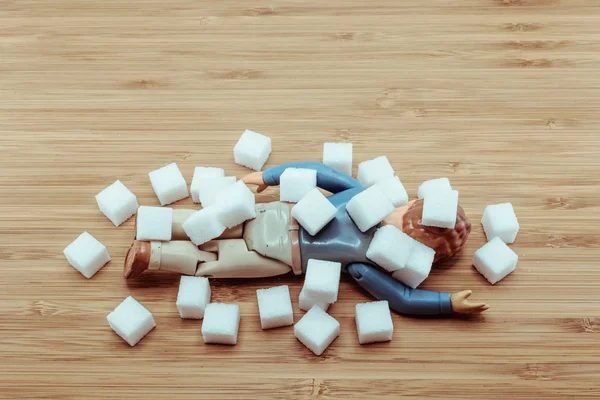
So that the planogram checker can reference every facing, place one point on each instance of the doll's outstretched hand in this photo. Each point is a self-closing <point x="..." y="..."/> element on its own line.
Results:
<point x="461" y="304"/>
<point x="255" y="178"/>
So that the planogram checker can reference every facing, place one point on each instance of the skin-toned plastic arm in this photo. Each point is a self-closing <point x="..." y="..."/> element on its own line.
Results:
<point x="328" y="178"/>
<point x="405" y="300"/>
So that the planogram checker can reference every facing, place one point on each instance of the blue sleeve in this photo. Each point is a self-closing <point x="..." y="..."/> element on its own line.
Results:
<point x="328" y="178"/>
<point x="401" y="298"/>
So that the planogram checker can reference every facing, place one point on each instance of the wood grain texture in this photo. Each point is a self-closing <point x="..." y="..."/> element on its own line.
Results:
<point x="501" y="96"/>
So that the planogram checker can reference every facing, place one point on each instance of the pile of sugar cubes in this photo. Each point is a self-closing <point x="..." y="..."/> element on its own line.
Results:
<point x="410" y="261"/>
<point x="384" y="192"/>
<point x="227" y="202"/>
<point x="316" y="329"/>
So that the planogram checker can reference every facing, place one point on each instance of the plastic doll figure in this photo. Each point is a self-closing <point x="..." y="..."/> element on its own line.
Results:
<point x="274" y="244"/>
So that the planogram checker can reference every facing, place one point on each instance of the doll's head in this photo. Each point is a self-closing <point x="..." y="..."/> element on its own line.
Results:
<point x="445" y="242"/>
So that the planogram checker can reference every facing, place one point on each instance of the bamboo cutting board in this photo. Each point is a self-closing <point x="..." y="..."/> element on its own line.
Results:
<point x="501" y="96"/>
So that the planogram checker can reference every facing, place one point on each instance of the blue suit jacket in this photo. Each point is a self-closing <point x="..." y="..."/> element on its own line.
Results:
<point x="343" y="242"/>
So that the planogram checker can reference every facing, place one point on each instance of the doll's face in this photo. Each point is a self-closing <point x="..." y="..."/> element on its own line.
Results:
<point x="445" y="242"/>
<point x="397" y="216"/>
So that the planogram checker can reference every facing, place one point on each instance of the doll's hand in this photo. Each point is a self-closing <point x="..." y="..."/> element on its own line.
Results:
<point x="461" y="305"/>
<point x="255" y="178"/>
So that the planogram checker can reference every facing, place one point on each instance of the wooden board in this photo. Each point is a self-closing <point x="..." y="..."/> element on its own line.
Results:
<point x="501" y="96"/>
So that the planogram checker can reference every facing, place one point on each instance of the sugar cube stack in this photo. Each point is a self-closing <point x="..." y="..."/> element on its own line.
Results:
<point x="204" y="225"/>
<point x="440" y="209"/>
<point x="314" y="211"/>
<point x="500" y="220"/>
<point x="394" y="190"/>
<point x="131" y="320"/>
<point x="317" y="330"/>
<point x="338" y="156"/>
<point x="307" y="302"/>
<point x="390" y="248"/>
<point x="209" y="187"/>
<point x="495" y="260"/>
<point x="369" y="207"/>
<point x="418" y="265"/>
<point x="169" y="184"/>
<point x="433" y="186"/>
<point x="117" y="203"/>
<point x="201" y="174"/>
<point x="322" y="281"/>
<point x="374" y="322"/>
<point x="275" y="307"/>
<point x="372" y="171"/>
<point x="235" y="204"/>
<point x="295" y="183"/>
<point x="87" y="255"/>
<point x="221" y="323"/>
<point x="252" y="150"/>
<point x="154" y="223"/>
<point x="193" y="297"/>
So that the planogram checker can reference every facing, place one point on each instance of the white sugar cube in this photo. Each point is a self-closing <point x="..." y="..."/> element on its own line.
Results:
<point x="495" y="260"/>
<point x="275" y="307"/>
<point x="322" y="281"/>
<point x="131" y="320"/>
<point x="221" y="323"/>
<point x="374" y="322"/>
<point x="117" y="203"/>
<point x="338" y="156"/>
<point x="200" y="174"/>
<point x="252" y="150"/>
<point x="317" y="330"/>
<point x="314" y="211"/>
<point x="235" y="204"/>
<point x="204" y="225"/>
<point x="372" y="171"/>
<point x="369" y="207"/>
<point x="87" y="255"/>
<point x="295" y="183"/>
<point x="193" y="297"/>
<point x="169" y="184"/>
<point x="440" y="209"/>
<point x="432" y="186"/>
<point x="417" y="267"/>
<point x="393" y="190"/>
<point x="209" y="187"/>
<point x="500" y="220"/>
<point x="390" y="248"/>
<point x="154" y="223"/>
<point x="308" y="302"/>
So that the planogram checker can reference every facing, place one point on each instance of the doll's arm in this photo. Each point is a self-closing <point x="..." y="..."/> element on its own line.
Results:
<point x="405" y="300"/>
<point x="328" y="178"/>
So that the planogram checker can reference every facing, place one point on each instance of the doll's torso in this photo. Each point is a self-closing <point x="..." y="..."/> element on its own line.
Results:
<point x="273" y="233"/>
<point x="340" y="240"/>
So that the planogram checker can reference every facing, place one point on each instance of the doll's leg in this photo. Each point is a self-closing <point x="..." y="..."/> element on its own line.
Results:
<point x="180" y="256"/>
<point x="236" y="261"/>
<point x="179" y="217"/>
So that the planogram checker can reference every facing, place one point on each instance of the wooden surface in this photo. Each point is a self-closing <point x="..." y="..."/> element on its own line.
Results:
<point x="501" y="96"/>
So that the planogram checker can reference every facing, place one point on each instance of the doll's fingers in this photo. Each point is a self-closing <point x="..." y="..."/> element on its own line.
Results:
<point x="477" y="307"/>
<point x="248" y="179"/>
<point x="463" y="295"/>
<point x="474" y="305"/>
